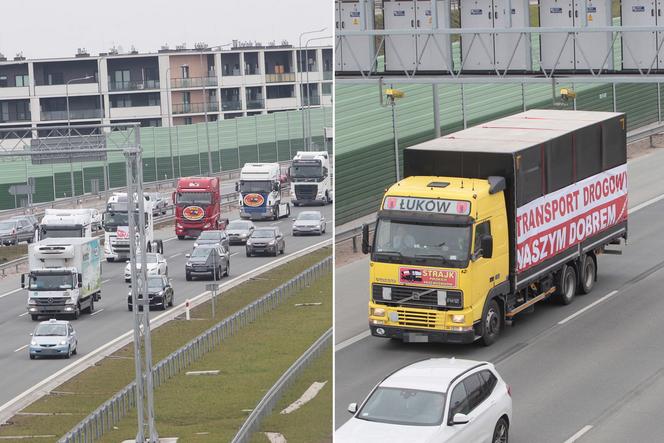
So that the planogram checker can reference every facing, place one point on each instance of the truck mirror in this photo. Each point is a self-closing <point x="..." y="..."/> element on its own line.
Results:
<point x="237" y="187"/>
<point x="275" y="186"/>
<point x="173" y="197"/>
<point x="366" y="247"/>
<point x="80" y="280"/>
<point x="22" y="280"/>
<point x="486" y="242"/>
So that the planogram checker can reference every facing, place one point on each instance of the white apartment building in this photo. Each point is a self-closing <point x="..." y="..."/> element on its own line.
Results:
<point x="170" y="87"/>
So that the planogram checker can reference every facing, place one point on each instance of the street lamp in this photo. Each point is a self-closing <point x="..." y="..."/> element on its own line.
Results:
<point x="299" y="48"/>
<point x="71" y="159"/>
<point x="306" y="51"/>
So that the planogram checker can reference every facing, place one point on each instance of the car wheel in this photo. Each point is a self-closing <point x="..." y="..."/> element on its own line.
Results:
<point x="129" y="307"/>
<point x="170" y="301"/>
<point x="501" y="431"/>
<point x="34" y="317"/>
<point x="566" y="285"/>
<point x="32" y="356"/>
<point x="68" y="354"/>
<point x="248" y="254"/>
<point x="188" y="276"/>
<point x="491" y="323"/>
<point x="110" y="259"/>
<point x="228" y="269"/>
<point x="75" y="351"/>
<point x="588" y="275"/>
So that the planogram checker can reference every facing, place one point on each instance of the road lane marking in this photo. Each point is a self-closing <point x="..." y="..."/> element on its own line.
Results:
<point x="234" y="253"/>
<point x="578" y="435"/>
<point x="24" y="314"/>
<point x="352" y="340"/>
<point x="175" y="255"/>
<point x="645" y="204"/>
<point x="21" y="348"/>
<point x="10" y="292"/>
<point x="97" y="311"/>
<point x="169" y="239"/>
<point x="590" y="306"/>
<point x="106" y="281"/>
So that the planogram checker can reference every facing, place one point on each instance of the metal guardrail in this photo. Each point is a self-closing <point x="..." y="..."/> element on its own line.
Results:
<point x="93" y="427"/>
<point x="267" y="403"/>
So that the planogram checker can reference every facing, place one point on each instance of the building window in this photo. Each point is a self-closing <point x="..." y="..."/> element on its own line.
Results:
<point x="153" y="100"/>
<point x="121" y="101"/>
<point x="4" y="112"/>
<point x="184" y="71"/>
<point x="188" y="121"/>
<point x="327" y="88"/>
<point x="3" y="81"/>
<point x="22" y="80"/>
<point x="23" y="111"/>
<point x="55" y="78"/>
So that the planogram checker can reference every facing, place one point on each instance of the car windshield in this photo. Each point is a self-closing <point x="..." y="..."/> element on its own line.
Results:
<point x="260" y="186"/>
<point x="155" y="283"/>
<point x="309" y="216"/>
<point x="201" y="252"/>
<point x="49" y="329"/>
<point x="194" y="198"/>
<point x="60" y="232"/>
<point x="51" y="282"/>
<point x="263" y="233"/>
<point x="207" y="235"/>
<point x="239" y="225"/>
<point x="404" y="407"/>
<point x="421" y="243"/>
<point x="7" y="225"/>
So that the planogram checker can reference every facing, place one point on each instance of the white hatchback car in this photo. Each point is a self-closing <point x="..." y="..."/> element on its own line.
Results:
<point x="434" y="400"/>
<point x="157" y="265"/>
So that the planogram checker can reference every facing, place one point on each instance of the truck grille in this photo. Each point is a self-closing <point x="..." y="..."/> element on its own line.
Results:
<point x="411" y="296"/>
<point x="306" y="192"/>
<point x="418" y="319"/>
<point x="120" y="246"/>
<point x="50" y="301"/>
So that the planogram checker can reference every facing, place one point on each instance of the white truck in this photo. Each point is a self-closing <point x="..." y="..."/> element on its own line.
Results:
<point x="66" y="223"/>
<point x="259" y="192"/>
<point x="310" y="178"/>
<point x="116" y="228"/>
<point x="64" y="276"/>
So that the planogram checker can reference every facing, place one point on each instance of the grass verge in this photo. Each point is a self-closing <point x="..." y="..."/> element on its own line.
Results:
<point x="75" y="399"/>
<point x="211" y="409"/>
<point x="312" y="422"/>
<point x="8" y="253"/>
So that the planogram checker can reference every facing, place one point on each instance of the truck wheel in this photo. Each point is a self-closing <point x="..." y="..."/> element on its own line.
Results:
<point x="275" y="213"/>
<point x="588" y="274"/>
<point x="180" y="237"/>
<point x="91" y="308"/>
<point x="287" y="210"/>
<point x="491" y="323"/>
<point x="110" y="259"/>
<point x="34" y="317"/>
<point x="566" y="285"/>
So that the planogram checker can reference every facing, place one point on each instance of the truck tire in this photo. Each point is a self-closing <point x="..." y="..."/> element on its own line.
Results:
<point x="110" y="259"/>
<point x="588" y="274"/>
<point x="287" y="210"/>
<point x="34" y="317"/>
<point x="77" y="311"/>
<point x="275" y="213"/>
<point x="566" y="285"/>
<point x="491" y="323"/>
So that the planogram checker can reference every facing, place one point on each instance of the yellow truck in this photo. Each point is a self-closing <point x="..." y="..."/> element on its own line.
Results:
<point x="490" y="220"/>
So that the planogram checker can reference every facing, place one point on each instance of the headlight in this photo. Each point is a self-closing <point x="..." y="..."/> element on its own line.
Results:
<point x="195" y="245"/>
<point x="33" y="343"/>
<point x="377" y="312"/>
<point x="458" y="318"/>
<point x="32" y="301"/>
<point x="272" y="242"/>
<point x="160" y="293"/>
<point x="188" y="265"/>
<point x="62" y="342"/>
<point x="207" y="225"/>
<point x="249" y="242"/>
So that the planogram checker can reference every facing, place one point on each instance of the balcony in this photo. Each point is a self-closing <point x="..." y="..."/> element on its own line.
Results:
<point x="194" y="108"/>
<point x="74" y="89"/>
<point x="14" y="92"/>
<point x="256" y="104"/>
<point x="133" y="85"/>
<point x="74" y="114"/>
<point x="231" y="105"/>
<point x="281" y="103"/>
<point x="280" y="78"/>
<point x="194" y="82"/>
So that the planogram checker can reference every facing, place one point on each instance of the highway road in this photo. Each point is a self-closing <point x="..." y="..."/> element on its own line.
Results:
<point x="592" y="371"/>
<point x="111" y="318"/>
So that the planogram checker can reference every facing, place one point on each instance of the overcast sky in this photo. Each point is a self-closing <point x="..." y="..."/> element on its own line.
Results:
<point x="56" y="28"/>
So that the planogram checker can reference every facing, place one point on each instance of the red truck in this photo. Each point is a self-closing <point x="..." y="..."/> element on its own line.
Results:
<point x="197" y="203"/>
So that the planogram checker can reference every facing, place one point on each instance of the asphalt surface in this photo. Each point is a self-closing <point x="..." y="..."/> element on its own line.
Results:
<point x="592" y="371"/>
<point x="111" y="318"/>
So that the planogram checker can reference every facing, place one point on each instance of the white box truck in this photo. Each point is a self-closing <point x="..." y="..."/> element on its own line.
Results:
<point x="66" y="223"/>
<point x="64" y="276"/>
<point x="259" y="191"/>
<point x="310" y="178"/>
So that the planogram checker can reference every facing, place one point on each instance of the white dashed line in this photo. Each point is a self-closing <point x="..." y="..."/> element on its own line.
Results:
<point x="23" y="315"/>
<point x="175" y="255"/>
<point x="11" y="292"/>
<point x="105" y="281"/>
<point x="21" y="348"/>
<point x="97" y="311"/>
<point x="578" y="435"/>
<point x="576" y="314"/>
<point x="352" y="340"/>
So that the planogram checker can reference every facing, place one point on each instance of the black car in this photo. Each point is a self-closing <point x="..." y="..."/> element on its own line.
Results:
<point x="266" y="241"/>
<point x="212" y="238"/>
<point x="160" y="292"/>
<point x="210" y="260"/>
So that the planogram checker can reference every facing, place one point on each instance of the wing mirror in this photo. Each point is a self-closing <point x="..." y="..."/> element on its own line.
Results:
<point x="366" y="247"/>
<point x="460" y="419"/>
<point x="352" y="408"/>
<point x="187" y="255"/>
<point x="486" y="243"/>
<point x="80" y="280"/>
<point x="22" y="280"/>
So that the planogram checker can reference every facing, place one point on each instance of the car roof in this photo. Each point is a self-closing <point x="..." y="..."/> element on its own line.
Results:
<point x="434" y="374"/>
<point x="207" y="246"/>
<point x="266" y="228"/>
<point x="310" y="212"/>
<point x="54" y="321"/>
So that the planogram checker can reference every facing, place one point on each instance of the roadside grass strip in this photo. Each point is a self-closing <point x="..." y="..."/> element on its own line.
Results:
<point x="212" y="409"/>
<point x="311" y="422"/>
<point x="87" y="391"/>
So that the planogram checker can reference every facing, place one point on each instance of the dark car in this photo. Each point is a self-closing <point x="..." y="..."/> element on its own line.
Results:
<point x="266" y="241"/>
<point x="209" y="260"/>
<point x="14" y="231"/>
<point x="29" y="217"/>
<point x="160" y="292"/>
<point x="213" y="238"/>
<point x="239" y="231"/>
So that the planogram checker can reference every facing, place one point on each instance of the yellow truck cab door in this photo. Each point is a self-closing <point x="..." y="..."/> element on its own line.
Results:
<point x="482" y="269"/>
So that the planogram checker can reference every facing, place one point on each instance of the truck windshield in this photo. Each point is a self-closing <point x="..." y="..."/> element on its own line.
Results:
<point x="60" y="232"/>
<point x="259" y="186"/>
<point x="306" y="171"/>
<point x="115" y="219"/>
<point x="51" y="282"/>
<point x="194" y="198"/>
<point x="421" y="243"/>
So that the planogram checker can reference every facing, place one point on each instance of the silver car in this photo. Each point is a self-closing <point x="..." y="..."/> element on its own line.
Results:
<point x="53" y="338"/>
<point x="239" y="231"/>
<point x="14" y="231"/>
<point x="309" y="222"/>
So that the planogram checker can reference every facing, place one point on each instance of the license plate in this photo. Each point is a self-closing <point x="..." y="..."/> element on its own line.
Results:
<point x="414" y="337"/>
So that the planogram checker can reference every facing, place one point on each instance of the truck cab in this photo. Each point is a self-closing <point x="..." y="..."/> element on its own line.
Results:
<point x="65" y="223"/>
<point x="197" y="203"/>
<point x="116" y="228"/>
<point x="259" y="192"/>
<point x="310" y="178"/>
